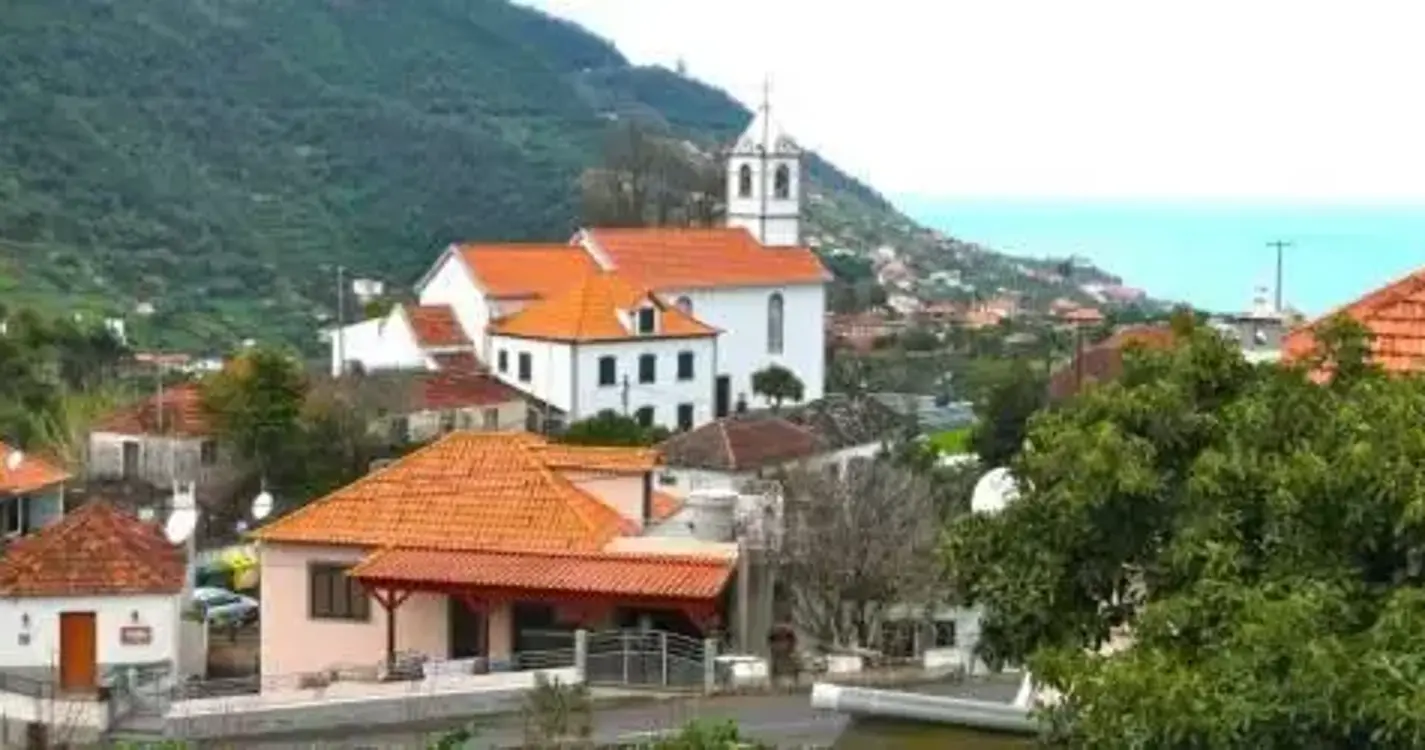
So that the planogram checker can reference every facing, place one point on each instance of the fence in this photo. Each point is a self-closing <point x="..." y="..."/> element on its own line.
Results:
<point x="647" y="658"/>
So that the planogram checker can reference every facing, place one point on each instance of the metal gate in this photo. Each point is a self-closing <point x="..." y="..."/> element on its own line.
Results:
<point x="645" y="658"/>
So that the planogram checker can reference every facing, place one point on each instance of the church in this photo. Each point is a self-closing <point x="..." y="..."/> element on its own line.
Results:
<point x="664" y="324"/>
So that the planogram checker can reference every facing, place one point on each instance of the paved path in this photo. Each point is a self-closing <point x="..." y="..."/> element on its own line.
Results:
<point x="787" y="720"/>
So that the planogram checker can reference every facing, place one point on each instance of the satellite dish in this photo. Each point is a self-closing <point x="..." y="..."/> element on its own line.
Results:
<point x="181" y="524"/>
<point x="262" y="505"/>
<point x="13" y="461"/>
<point x="994" y="491"/>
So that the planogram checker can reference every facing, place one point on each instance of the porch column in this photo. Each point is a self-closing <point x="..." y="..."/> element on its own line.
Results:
<point x="501" y="629"/>
<point x="390" y="600"/>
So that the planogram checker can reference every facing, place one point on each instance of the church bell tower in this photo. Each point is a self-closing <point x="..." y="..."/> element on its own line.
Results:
<point x="764" y="181"/>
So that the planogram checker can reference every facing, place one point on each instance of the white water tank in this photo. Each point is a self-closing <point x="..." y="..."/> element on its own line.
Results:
<point x="712" y="514"/>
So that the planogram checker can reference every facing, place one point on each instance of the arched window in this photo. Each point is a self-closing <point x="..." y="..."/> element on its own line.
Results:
<point x="685" y="304"/>
<point x="744" y="181"/>
<point x="782" y="183"/>
<point x="774" y="323"/>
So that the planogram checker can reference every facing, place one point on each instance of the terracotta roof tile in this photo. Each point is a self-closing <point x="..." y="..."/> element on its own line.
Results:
<point x="1395" y="314"/>
<point x="526" y="270"/>
<point x="465" y="491"/>
<point x="95" y="551"/>
<point x="435" y="326"/>
<point x="598" y="458"/>
<point x="741" y="443"/>
<point x="436" y="391"/>
<point x="596" y="309"/>
<point x="664" y="576"/>
<point x="32" y="474"/>
<point x="665" y="505"/>
<point x="1103" y="361"/>
<point x="464" y="362"/>
<point x="179" y="412"/>
<point x="671" y="258"/>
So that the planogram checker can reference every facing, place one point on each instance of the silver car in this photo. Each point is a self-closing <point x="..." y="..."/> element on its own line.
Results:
<point x="223" y="607"/>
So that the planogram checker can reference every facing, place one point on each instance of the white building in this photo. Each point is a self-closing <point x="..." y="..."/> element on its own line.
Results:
<point x="755" y="297"/>
<point x="95" y="592"/>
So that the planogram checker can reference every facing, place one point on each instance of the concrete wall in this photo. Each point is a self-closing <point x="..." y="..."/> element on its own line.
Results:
<point x="453" y="284"/>
<point x="663" y="395"/>
<point x="160" y="458"/>
<point x="77" y="721"/>
<point x="621" y="492"/>
<point x="509" y="416"/>
<point x="32" y="646"/>
<point x="551" y="368"/>
<point x="38" y="509"/>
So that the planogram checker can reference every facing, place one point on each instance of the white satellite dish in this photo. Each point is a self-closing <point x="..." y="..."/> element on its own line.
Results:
<point x="181" y="524"/>
<point x="262" y="505"/>
<point x="13" y="461"/>
<point x="996" y="489"/>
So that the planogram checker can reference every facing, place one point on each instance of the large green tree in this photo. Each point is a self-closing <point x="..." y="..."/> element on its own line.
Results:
<point x="1259" y="537"/>
<point x="256" y="403"/>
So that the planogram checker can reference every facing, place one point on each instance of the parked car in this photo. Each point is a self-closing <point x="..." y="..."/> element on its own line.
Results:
<point x="223" y="607"/>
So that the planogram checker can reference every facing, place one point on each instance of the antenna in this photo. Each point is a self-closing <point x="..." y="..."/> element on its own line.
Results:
<point x="995" y="490"/>
<point x="13" y="461"/>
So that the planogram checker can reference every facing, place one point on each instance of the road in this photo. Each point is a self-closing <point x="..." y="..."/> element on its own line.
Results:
<point x="786" y="720"/>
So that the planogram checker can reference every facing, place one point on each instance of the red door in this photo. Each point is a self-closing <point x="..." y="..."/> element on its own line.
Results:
<point x="78" y="652"/>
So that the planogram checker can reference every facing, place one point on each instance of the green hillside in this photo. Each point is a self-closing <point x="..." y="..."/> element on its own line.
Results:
<point x="219" y="158"/>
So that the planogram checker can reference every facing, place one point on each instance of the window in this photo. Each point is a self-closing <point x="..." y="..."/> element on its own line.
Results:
<point x="400" y="430"/>
<point x="646" y="321"/>
<point x="647" y="368"/>
<point x="608" y="371"/>
<point x="782" y="183"/>
<point x="944" y="633"/>
<point x="685" y="365"/>
<point x="131" y="459"/>
<point x="11" y="520"/>
<point x="685" y="416"/>
<point x="526" y="367"/>
<point x="502" y="360"/>
<point x="685" y="304"/>
<point x="491" y="419"/>
<point x="447" y="421"/>
<point x="208" y="452"/>
<point x="744" y="181"/>
<point x="644" y="416"/>
<point x="775" y="310"/>
<point x="667" y="479"/>
<point x="334" y="595"/>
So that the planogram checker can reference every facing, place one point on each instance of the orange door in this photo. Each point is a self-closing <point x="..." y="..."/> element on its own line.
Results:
<point x="78" y="651"/>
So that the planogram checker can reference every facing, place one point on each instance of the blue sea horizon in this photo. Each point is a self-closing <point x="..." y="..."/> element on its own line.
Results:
<point x="1211" y="254"/>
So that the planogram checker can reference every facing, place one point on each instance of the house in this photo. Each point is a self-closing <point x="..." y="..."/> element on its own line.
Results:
<point x="418" y="405"/>
<point x="95" y="592"/>
<point x="408" y="337"/>
<point x="480" y="546"/>
<point x="164" y="438"/>
<point x="662" y="323"/>
<point x="31" y="493"/>
<point x="1394" y="315"/>
<point x="730" y="452"/>
<point x="1103" y="361"/>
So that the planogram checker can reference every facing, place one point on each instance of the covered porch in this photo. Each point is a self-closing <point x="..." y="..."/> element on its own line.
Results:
<point x="521" y="610"/>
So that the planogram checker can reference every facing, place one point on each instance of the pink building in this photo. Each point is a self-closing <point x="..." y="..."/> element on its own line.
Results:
<point x="480" y="545"/>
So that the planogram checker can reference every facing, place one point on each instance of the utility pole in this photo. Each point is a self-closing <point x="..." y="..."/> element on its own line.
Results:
<point x="1280" y="246"/>
<point x="340" y="321"/>
<point x="624" y="395"/>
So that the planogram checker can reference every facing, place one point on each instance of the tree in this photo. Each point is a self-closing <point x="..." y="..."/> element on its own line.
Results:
<point x="1004" y="411"/>
<point x="777" y="384"/>
<point x="557" y="715"/>
<point x="648" y="180"/>
<point x="855" y="544"/>
<point x="608" y="427"/>
<point x="256" y="403"/>
<point x="1258" y="536"/>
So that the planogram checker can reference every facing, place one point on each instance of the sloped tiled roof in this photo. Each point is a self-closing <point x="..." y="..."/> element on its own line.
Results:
<point x="32" y="474"/>
<point x="663" y="576"/>
<point x="436" y="391"/>
<point x="598" y="458"/>
<point x="665" y="505"/>
<point x="667" y="258"/>
<point x="1104" y="361"/>
<point x="843" y="422"/>
<point x="96" y="550"/>
<point x="465" y="362"/>
<point x="179" y="412"/>
<point x="435" y="326"/>
<point x="526" y="270"/>
<point x="741" y="442"/>
<point x="591" y="310"/>
<point x="1395" y="314"/>
<point x="466" y="491"/>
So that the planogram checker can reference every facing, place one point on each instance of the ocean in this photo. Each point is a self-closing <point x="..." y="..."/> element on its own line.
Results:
<point x="1212" y="255"/>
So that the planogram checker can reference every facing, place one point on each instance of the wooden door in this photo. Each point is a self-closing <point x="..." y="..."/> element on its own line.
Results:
<point x="78" y="651"/>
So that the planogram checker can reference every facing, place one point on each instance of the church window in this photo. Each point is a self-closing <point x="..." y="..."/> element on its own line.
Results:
<point x="744" y="181"/>
<point x="782" y="183"/>
<point x="775" y="311"/>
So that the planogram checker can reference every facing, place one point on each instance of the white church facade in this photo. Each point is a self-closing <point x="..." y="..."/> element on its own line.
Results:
<point x="663" y="324"/>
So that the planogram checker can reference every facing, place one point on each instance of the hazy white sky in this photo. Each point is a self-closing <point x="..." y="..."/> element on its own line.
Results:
<point x="1290" y="99"/>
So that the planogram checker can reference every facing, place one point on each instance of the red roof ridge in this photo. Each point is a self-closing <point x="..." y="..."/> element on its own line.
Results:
<point x="680" y="557"/>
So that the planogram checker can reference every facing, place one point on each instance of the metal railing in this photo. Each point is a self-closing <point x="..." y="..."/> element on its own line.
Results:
<point x="30" y="687"/>
<point x="646" y="658"/>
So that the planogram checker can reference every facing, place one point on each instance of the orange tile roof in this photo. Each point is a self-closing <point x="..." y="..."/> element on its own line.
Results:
<point x="591" y="310"/>
<point x="32" y="474"/>
<point x="96" y="550"/>
<point x="598" y="458"/>
<point x="180" y="412"/>
<point x="435" y="326"/>
<point x="667" y="258"/>
<point x="466" y="491"/>
<point x="526" y="270"/>
<point x="1395" y="314"/>
<point x="665" y="505"/>
<point x="664" y="576"/>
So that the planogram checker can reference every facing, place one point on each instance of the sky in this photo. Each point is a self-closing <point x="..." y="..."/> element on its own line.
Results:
<point x="1262" y="100"/>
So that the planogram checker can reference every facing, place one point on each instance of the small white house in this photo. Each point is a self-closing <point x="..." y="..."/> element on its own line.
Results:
<point x="96" y="592"/>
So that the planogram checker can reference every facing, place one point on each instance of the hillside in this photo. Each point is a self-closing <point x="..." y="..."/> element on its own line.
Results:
<point x="217" y="159"/>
